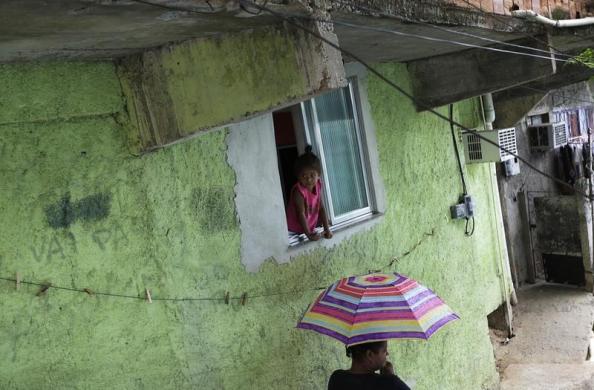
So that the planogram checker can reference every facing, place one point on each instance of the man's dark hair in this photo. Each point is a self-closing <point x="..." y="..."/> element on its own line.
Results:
<point x="357" y="351"/>
<point x="307" y="160"/>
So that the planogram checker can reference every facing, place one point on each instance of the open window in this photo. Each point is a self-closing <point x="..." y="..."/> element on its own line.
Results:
<point x="331" y="124"/>
<point x="262" y="151"/>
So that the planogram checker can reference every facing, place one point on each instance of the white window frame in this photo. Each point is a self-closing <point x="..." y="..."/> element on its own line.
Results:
<point x="312" y="130"/>
<point x="252" y="154"/>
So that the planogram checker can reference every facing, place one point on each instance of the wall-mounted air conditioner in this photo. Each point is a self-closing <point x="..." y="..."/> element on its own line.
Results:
<point x="547" y="136"/>
<point x="478" y="150"/>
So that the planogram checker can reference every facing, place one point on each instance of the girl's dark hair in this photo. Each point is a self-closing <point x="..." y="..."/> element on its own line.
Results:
<point x="359" y="350"/>
<point x="307" y="160"/>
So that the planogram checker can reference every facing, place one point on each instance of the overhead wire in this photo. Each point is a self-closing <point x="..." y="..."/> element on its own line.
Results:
<point x="47" y="286"/>
<point x="442" y="40"/>
<point x="419" y="104"/>
<point x="377" y="74"/>
<point x="546" y="43"/>
<point x="504" y="22"/>
<point x="183" y="9"/>
<point x="556" y="94"/>
<point x="424" y="23"/>
<point x="419" y="36"/>
<point x="467" y="232"/>
<point x="437" y="27"/>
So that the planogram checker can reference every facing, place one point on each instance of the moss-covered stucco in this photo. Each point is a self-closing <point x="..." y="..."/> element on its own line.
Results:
<point x="171" y="228"/>
<point x="178" y="90"/>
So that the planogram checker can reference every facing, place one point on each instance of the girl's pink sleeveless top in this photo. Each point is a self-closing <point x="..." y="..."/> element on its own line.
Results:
<point x="312" y="208"/>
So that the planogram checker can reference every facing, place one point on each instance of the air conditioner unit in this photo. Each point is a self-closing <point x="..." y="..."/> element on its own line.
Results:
<point x="478" y="150"/>
<point x="547" y="136"/>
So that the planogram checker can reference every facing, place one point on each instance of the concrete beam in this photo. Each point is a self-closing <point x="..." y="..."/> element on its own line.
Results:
<point x="513" y="104"/>
<point x="436" y="12"/>
<point x="175" y="91"/>
<point x="453" y="77"/>
<point x="566" y="75"/>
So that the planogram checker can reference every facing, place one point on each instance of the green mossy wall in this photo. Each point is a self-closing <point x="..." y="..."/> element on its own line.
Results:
<point x="166" y="221"/>
<point x="177" y="90"/>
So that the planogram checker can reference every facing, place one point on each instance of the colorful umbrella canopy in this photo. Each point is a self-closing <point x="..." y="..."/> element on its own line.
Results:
<point x="376" y="307"/>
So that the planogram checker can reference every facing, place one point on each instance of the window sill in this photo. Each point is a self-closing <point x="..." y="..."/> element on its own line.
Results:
<point x="299" y="242"/>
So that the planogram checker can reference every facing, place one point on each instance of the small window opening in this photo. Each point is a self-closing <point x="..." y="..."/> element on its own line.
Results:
<point x="286" y="149"/>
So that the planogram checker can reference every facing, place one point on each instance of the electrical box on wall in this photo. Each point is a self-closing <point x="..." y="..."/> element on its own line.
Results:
<point x="464" y="209"/>
<point x="478" y="150"/>
<point x="511" y="167"/>
<point x="547" y="136"/>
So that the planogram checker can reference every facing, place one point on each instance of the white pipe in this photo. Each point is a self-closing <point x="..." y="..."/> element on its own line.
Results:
<point x="488" y="110"/>
<point x="529" y="14"/>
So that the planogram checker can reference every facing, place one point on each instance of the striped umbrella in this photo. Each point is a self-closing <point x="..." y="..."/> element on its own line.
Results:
<point x="376" y="307"/>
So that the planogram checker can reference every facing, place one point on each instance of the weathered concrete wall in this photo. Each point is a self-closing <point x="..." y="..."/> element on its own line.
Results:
<point x="80" y="211"/>
<point x="171" y="91"/>
<point x="543" y="7"/>
<point x="558" y="225"/>
<point x="452" y="77"/>
<point x="517" y="194"/>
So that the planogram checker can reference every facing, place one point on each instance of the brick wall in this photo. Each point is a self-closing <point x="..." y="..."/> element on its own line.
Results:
<point x="575" y="8"/>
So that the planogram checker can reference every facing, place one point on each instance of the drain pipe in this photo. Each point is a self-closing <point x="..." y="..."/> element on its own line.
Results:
<point x="531" y="15"/>
<point x="488" y="109"/>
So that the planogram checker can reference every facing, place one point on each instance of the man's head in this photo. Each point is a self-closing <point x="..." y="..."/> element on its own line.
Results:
<point x="371" y="355"/>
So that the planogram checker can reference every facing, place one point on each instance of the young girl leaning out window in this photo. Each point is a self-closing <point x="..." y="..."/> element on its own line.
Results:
<point x="305" y="210"/>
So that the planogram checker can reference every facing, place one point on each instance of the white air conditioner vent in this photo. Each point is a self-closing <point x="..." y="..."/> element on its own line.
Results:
<point x="507" y="141"/>
<point x="560" y="134"/>
<point x="474" y="149"/>
<point x="547" y="136"/>
<point x="478" y="150"/>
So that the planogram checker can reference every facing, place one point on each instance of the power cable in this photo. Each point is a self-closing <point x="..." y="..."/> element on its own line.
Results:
<point x="447" y="41"/>
<point x="455" y="143"/>
<point x="463" y="33"/>
<point x="467" y="232"/>
<point x="504" y="22"/>
<point x="291" y="21"/>
<point x="46" y="285"/>
<point x="395" y="86"/>
<point x="556" y="94"/>
<point x="182" y="9"/>
<point x="500" y="20"/>
<point x="419" y="36"/>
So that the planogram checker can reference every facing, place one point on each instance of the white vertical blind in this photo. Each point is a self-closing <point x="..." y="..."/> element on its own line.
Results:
<point x="341" y="151"/>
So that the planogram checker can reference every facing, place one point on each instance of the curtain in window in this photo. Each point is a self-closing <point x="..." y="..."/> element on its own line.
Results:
<point x="341" y="149"/>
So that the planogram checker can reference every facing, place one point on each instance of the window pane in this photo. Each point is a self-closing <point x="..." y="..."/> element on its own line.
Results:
<point x="342" y="154"/>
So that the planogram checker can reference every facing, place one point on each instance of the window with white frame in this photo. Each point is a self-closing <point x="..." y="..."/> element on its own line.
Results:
<point x="331" y="124"/>
<point x="262" y="151"/>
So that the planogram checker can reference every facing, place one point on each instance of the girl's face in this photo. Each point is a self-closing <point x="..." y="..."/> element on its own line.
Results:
<point x="308" y="178"/>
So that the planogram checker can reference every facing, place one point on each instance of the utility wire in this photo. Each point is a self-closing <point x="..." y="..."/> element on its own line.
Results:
<point x="467" y="232"/>
<point x="407" y="20"/>
<point x="419" y="36"/>
<point x="392" y="84"/>
<point x="291" y="21"/>
<point x="455" y="143"/>
<point x="452" y="31"/>
<point x="182" y="9"/>
<point x="370" y="10"/>
<point x="547" y="44"/>
<point x="46" y="286"/>
<point x="502" y="21"/>
<point x="447" y="41"/>
<point x="556" y="94"/>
